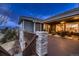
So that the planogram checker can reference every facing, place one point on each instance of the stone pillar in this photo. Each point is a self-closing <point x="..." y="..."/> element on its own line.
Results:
<point x="41" y="43"/>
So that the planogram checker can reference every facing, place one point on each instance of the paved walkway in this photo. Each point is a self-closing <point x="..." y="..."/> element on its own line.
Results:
<point x="58" y="46"/>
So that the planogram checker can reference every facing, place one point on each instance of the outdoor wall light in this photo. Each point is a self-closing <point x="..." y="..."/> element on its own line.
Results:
<point x="75" y="17"/>
<point x="62" y="22"/>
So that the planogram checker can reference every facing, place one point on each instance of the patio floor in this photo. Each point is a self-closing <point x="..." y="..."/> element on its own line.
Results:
<point x="58" y="46"/>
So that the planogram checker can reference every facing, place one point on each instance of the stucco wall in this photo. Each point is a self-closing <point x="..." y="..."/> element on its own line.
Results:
<point x="28" y="26"/>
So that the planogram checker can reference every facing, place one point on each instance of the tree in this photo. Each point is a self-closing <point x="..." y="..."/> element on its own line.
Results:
<point x="10" y="34"/>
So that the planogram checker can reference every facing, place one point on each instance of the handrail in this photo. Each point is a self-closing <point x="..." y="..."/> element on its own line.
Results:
<point x="30" y="48"/>
<point x="30" y="43"/>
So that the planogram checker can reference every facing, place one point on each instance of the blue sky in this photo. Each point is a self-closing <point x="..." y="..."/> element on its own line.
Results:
<point x="41" y="10"/>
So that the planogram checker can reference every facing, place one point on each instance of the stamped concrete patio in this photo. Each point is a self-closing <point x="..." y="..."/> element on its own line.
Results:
<point x="58" y="46"/>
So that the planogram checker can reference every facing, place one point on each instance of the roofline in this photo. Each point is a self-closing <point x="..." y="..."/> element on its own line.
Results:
<point x="61" y="14"/>
<point x="61" y="19"/>
<point x="71" y="12"/>
<point x="26" y="18"/>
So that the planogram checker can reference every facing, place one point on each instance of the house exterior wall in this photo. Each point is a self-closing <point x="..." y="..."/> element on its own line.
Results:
<point x="38" y="27"/>
<point x="28" y="26"/>
<point x="32" y="27"/>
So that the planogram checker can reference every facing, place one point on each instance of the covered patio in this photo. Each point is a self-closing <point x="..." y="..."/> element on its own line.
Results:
<point x="65" y="24"/>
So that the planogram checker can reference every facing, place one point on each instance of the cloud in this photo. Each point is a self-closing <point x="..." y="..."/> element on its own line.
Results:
<point x="9" y="24"/>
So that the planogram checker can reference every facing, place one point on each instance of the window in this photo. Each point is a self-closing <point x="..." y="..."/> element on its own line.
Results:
<point x="72" y="27"/>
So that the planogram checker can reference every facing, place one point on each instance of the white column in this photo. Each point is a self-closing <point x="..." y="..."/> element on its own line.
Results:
<point x="21" y="39"/>
<point x="34" y="27"/>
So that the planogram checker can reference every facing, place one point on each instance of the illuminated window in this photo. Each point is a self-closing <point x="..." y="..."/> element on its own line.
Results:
<point x="72" y="27"/>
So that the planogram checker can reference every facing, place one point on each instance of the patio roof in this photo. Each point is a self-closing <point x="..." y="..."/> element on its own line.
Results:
<point x="64" y="15"/>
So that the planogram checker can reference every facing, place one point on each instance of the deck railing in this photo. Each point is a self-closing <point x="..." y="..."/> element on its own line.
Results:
<point x="3" y="52"/>
<point x="30" y="48"/>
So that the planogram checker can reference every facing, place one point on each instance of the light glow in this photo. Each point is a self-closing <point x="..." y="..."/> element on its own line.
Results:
<point x="76" y="18"/>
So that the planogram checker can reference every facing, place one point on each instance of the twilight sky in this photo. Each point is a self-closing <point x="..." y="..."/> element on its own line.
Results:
<point x="41" y="10"/>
